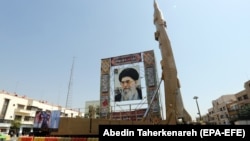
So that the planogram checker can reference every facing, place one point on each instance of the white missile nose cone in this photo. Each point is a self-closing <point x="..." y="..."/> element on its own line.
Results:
<point x="155" y="4"/>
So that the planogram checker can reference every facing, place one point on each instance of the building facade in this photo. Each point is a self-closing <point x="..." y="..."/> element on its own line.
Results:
<point x="21" y="108"/>
<point x="230" y="109"/>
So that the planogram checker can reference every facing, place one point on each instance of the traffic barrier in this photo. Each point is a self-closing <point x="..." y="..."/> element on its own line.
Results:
<point x="39" y="139"/>
<point x="25" y="138"/>
<point x="51" y="139"/>
<point x="64" y="139"/>
<point x="93" y="139"/>
<point x="79" y="139"/>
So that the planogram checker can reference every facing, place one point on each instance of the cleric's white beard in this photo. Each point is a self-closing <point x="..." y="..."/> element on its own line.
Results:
<point x="129" y="94"/>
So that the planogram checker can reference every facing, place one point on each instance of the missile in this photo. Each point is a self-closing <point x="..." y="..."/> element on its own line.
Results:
<point x="162" y="37"/>
<point x="173" y="99"/>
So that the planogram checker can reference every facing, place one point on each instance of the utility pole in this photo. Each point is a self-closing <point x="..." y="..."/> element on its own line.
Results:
<point x="69" y="94"/>
<point x="199" y="113"/>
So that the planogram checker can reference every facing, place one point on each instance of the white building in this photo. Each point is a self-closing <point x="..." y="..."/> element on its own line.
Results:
<point x="15" y="107"/>
<point x="226" y="109"/>
<point x="220" y="111"/>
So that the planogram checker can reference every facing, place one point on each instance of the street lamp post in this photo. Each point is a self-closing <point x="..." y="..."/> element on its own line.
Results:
<point x="199" y="113"/>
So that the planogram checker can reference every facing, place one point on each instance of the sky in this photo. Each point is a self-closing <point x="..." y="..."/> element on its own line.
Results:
<point x="39" y="40"/>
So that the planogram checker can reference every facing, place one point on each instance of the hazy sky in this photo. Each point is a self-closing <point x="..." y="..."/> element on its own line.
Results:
<point x="38" y="40"/>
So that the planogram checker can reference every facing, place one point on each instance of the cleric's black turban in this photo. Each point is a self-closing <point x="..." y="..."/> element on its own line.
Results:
<point x="130" y="72"/>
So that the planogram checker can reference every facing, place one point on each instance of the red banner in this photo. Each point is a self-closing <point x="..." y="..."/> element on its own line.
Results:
<point x="126" y="59"/>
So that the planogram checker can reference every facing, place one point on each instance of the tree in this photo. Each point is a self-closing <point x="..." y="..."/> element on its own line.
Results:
<point x="97" y="111"/>
<point x="15" y="125"/>
<point x="91" y="111"/>
<point x="244" y="113"/>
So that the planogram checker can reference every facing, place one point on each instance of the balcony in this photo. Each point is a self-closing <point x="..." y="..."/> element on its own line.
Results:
<point x="30" y="122"/>
<point x="24" y="112"/>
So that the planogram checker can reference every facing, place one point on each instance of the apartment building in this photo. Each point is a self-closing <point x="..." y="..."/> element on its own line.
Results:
<point x="220" y="111"/>
<point x="226" y="109"/>
<point x="16" y="107"/>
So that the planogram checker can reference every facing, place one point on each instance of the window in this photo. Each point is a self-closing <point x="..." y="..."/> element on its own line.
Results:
<point x="28" y="118"/>
<point x="221" y="116"/>
<point x="19" y="106"/>
<point x="245" y="96"/>
<point x="239" y="98"/>
<point x="4" y="108"/>
<point x="18" y="117"/>
<point x="33" y="108"/>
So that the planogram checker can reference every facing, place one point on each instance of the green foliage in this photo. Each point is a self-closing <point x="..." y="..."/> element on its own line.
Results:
<point x="97" y="110"/>
<point x="15" y="124"/>
<point x="244" y="113"/>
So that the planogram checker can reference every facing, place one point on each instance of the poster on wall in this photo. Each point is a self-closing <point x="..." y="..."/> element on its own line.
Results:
<point x="127" y="84"/>
<point x="54" y="119"/>
<point x="42" y="119"/>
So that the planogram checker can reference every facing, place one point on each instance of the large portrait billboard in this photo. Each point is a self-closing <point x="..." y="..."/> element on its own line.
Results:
<point x="122" y="81"/>
<point x="127" y="84"/>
